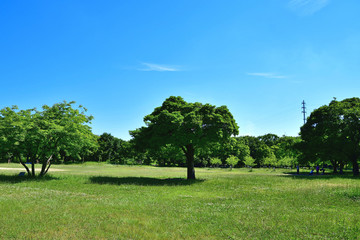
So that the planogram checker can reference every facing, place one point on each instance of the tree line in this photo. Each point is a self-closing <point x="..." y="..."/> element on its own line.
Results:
<point x="179" y="133"/>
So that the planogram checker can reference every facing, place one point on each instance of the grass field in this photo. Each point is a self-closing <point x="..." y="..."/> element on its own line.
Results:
<point x="99" y="201"/>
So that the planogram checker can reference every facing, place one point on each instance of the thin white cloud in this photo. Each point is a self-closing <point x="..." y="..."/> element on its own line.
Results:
<point x="158" y="67"/>
<point x="307" y="7"/>
<point x="267" y="75"/>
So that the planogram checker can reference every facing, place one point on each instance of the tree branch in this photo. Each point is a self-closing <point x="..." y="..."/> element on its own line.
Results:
<point x="184" y="150"/>
<point x="24" y="165"/>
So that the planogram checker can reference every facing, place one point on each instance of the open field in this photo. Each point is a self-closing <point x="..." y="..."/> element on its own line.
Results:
<point x="99" y="201"/>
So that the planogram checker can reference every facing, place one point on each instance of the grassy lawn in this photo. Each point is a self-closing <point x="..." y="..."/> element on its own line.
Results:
<point x="99" y="201"/>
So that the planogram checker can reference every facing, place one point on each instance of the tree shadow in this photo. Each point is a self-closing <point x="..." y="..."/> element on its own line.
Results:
<point x="144" y="181"/>
<point x="319" y="176"/>
<point x="18" y="179"/>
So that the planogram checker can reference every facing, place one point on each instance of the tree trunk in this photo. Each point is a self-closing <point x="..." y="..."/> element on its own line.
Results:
<point x="44" y="164"/>
<point x="32" y="168"/>
<point x="43" y="167"/>
<point x="24" y="165"/>
<point x="189" y="153"/>
<point x="355" y="166"/>
<point x="341" y="168"/>
<point x="335" y="168"/>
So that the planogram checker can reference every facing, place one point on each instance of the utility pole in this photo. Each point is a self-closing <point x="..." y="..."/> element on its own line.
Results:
<point x="304" y="114"/>
<point x="304" y="110"/>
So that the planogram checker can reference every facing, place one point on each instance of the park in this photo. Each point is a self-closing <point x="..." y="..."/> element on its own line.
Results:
<point x="58" y="180"/>
<point x="180" y="119"/>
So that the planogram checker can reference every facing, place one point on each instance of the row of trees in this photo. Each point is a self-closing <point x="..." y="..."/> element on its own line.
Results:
<point x="279" y="152"/>
<point x="179" y="133"/>
<point x="199" y="135"/>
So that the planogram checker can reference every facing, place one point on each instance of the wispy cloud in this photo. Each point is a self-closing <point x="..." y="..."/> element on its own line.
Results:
<point x="158" y="67"/>
<point x="267" y="75"/>
<point x="307" y="7"/>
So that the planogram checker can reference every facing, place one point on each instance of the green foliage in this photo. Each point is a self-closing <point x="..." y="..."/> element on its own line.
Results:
<point x="249" y="161"/>
<point x="168" y="155"/>
<point x="232" y="161"/>
<point x="40" y="136"/>
<point x="287" y="162"/>
<point x="185" y="125"/>
<point x="332" y="133"/>
<point x="215" y="161"/>
<point x="271" y="161"/>
<point x="112" y="149"/>
<point x="258" y="149"/>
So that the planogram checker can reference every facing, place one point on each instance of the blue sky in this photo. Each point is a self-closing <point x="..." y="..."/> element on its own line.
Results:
<point x="121" y="59"/>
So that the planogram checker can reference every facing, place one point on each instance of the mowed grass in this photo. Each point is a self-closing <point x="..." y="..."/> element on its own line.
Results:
<point x="100" y="201"/>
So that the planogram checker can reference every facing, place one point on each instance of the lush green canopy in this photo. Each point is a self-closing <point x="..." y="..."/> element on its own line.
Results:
<point x="186" y="125"/>
<point x="39" y="135"/>
<point x="333" y="133"/>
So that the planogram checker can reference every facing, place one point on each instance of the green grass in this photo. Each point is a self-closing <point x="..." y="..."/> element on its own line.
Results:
<point x="99" y="201"/>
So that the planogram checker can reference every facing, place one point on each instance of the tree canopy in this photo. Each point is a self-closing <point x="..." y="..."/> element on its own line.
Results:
<point x="38" y="136"/>
<point x="187" y="126"/>
<point x="332" y="132"/>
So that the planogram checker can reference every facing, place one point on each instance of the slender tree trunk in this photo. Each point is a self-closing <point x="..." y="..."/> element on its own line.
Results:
<point x="355" y="166"/>
<point x="33" y="167"/>
<point x="334" y="163"/>
<point x="190" y="152"/>
<point x="47" y="168"/>
<point x="24" y="165"/>
<point x="341" y="168"/>
<point x="44" y="165"/>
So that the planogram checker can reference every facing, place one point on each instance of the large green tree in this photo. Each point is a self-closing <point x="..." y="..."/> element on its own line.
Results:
<point x="187" y="126"/>
<point x="39" y="135"/>
<point x="332" y="132"/>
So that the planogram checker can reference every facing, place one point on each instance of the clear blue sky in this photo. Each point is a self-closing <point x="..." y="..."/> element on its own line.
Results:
<point x="121" y="59"/>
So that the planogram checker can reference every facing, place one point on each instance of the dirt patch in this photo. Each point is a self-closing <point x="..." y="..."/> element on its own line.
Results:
<point x="36" y="169"/>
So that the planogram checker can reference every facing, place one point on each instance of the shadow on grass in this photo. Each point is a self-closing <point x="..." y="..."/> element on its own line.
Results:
<point x="143" y="181"/>
<point x="18" y="179"/>
<point x="347" y="175"/>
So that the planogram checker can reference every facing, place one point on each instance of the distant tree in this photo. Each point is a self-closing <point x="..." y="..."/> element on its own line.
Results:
<point x="232" y="161"/>
<point x="258" y="149"/>
<point x="269" y="139"/>
<point x="40" y="135"/>
<point x="167" y="155"/>
<point x="234" y="147"/>
<point x="215" y="162"/>
<point x="271" y="161"/>
<point x="332" y="132"/>
<point x="249" y="162"/>
<point x="186" y="125"/>
<point x="286" y="147"/>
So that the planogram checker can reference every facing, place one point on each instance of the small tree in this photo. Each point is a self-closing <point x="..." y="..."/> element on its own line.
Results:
<point x="271" y="160"/>
<point x="215" y="161"/>
<point x="249" y="162"/>
<point x="232" y="161"/>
